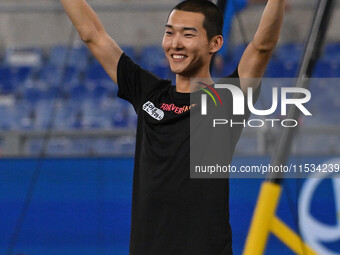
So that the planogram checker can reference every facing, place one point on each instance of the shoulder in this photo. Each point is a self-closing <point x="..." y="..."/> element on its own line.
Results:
<point x="128" y="67"/>
<point x="130" y="72"/>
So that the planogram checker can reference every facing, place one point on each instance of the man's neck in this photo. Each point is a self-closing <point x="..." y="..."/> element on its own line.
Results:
<point x="184" y="84"/>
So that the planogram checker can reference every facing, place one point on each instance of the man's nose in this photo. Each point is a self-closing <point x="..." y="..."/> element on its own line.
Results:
<point x="177" y="42"/>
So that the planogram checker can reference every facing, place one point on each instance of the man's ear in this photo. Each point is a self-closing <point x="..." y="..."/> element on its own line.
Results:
<point x="216" y="43"/>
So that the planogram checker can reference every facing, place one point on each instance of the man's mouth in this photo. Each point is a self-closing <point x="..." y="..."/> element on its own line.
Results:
<point x="178" y="57"/>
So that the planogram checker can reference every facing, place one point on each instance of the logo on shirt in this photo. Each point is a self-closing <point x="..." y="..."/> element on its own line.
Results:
<point x="176" y="109"/>
<point x="153" y="111"/>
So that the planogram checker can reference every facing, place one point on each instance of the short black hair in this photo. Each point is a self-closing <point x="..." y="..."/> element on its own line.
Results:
<point x="213" y="17"/>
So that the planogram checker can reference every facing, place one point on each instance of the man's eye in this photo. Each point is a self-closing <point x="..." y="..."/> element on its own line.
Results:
<point x="168" y="32"/>
<point x="188" y="35"/>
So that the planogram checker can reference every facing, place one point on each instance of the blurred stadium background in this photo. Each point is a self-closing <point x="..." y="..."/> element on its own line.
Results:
<point x="59" y="113"/>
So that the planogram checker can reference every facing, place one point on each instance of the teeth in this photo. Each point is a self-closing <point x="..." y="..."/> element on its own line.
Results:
<point x="178" y="56"/>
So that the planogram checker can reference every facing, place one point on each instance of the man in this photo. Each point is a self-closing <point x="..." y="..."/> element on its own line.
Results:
<point x="171" y="213"/>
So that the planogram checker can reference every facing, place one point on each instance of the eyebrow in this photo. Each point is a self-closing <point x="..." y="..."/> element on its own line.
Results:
<point x="184" y="28"/>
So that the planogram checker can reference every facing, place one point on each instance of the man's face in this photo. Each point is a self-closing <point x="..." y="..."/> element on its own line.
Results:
<point x="185" y="43"/>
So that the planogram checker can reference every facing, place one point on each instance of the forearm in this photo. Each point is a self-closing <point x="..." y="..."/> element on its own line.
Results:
<point x="83" y="18"/>
<point x="268" y="32"/>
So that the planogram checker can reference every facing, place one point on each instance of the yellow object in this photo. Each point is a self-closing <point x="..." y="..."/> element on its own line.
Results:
<point x="265" y="222"/>
<point x="289" y="238"/>
<point x="262" y="219"/>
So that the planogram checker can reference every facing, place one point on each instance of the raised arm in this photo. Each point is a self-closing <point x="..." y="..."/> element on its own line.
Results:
<point x="92" y="32"/>
<point x="257" y="54"/>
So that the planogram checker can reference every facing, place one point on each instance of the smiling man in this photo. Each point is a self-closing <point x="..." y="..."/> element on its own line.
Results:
<point x="171" y="213"/>
<point x="190" y="40"/>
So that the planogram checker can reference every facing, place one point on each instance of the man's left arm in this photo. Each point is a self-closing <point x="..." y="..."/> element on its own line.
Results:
<point x="257" y="54"/>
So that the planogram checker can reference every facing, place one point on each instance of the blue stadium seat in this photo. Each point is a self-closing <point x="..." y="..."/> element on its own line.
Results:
<point x="223" y="66"/>
<point x="33" y="94"/>
<point x="43" y="110"/>
<point x="112" y="88"/>
<point x="152" y="56"/>
<point x="77" y="92"/>
<point x="93" y="103"/>
<point x="129" y="51"/>
<point x="95" y="115"/>
<point x="65" y="115"/>
<point x="120" y="120"/>
<point x="8" y="119"/>
<point x="53" y="92"/>
<point x="327" y="68"/>
<point x="282" y="69"/>
<point x="78" y="121"/>
<point x="95" y="121"/>
<point x="25" y="115"/>
<point x="324" y="105"/>
<point x="322" y="144"/>
<point x="237" y="52"/>
<point x="96" y="72"/>
<point x="57" y="76"/>
<point x="108" y="113"/>
<point x="290" y="52"/>
<point x="61" y="112"/>
<point x="6" y="80"/>
<point x="317" y="87"/>
<point x="99" y="89"/>
<point x="21" y="74"/>
<point x="332" y="52"/>
<point x="78" y="56"/>
<point x="274" y="69"/>
<point x="154" y="60"/>
<point x="290" y="68"/>
<point x="50" y="75"/>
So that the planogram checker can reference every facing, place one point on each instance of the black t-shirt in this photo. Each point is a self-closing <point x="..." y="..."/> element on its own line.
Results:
<point x="171" y="213"/>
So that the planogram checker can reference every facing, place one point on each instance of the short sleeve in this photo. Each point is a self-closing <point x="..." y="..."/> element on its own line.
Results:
<point x="134" y="83"/>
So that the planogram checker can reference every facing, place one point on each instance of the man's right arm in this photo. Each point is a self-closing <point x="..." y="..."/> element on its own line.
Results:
<point x="93" y="33"/>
